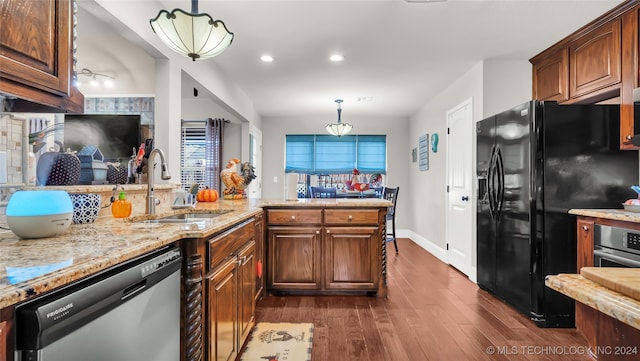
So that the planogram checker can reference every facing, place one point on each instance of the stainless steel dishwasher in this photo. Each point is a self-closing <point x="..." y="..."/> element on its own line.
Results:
<point x="130" y="312"/>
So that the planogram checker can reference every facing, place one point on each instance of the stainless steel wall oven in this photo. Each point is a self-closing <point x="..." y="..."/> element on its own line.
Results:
<point x="616" y="247"/>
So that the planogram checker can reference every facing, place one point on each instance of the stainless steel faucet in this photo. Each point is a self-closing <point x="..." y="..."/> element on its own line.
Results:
<point x="151" y="199"/>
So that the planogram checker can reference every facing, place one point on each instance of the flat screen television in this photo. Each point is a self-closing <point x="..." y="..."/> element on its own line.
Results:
<point x="114" y="134"/>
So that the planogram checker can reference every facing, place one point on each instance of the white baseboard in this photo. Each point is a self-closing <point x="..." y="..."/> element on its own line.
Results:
<point x="437" y="251"/>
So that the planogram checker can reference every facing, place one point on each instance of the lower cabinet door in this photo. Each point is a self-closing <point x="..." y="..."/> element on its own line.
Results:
<point x="223" y="312"/>
<point x="294" y="258"/>
<point x="352" y="258"/>
<point x="247" y="287"/>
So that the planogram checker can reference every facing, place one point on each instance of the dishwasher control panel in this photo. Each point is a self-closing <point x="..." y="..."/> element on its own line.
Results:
<point x="160" y="262"/>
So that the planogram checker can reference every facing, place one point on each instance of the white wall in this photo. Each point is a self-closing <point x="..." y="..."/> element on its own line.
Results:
<point x="429" y="187"/>
<point x="134" y="70"/>
<point x="507" y="83"/>
<point x="494" y="85"/>
<point x="398" y="153"/>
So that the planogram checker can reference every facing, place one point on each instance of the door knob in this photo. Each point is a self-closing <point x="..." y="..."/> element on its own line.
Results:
<point x="465" y="198"/>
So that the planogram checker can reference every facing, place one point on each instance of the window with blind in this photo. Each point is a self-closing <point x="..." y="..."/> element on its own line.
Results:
<point x="193" y="149"/>
<point x="327" y="154"/>
<point x="201" y="150"/>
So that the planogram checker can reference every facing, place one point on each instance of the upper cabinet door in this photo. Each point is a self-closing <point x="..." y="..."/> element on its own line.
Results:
<point x="36" y="56"/>
<point x="550" y="76"/>
<point x="33" y="50"/>
<point x="594" y="60"/>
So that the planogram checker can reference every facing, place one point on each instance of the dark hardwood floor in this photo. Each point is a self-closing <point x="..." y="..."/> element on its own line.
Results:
<point x="433" y="312"/>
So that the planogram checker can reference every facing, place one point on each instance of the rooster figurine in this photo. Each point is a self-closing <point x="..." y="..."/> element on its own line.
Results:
<point x="235" y="183"/>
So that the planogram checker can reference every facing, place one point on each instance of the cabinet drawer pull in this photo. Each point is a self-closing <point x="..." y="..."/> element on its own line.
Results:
<point x="328" y="231"/>
<point x="293" y="218"/>
<point x="585" y="228"/>
<point x="317" y="232"/>
<point x="350" y="217"/>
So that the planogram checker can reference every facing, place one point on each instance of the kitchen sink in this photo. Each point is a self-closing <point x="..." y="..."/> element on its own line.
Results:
<point x="185" y="217"/>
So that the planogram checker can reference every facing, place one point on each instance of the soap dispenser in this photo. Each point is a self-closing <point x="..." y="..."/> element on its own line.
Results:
<point x="121" y="208"/>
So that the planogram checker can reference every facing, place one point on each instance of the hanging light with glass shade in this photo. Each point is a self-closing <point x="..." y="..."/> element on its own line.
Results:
<point x="195" y="35"/>
<point x="339" y="128"/>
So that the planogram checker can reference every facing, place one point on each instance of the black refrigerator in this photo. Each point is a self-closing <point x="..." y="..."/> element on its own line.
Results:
<point x="534" y="163"/>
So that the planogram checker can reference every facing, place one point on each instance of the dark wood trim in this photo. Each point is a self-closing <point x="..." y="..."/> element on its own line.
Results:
<point x="193" y="333"/>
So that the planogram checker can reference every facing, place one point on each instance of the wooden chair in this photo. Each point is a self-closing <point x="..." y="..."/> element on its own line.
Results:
<point x="391" y="194"/>
<point x="322" y="192"/>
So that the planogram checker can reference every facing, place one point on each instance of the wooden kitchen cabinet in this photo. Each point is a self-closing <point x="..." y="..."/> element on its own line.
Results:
<point x="4" y="341"/>
<point x="585" y="315"/>
<point x="37" y="56"/>
<point x="585" y="243"/>
<point x="294" y="258"/>
<point x="587" y="66"/>
<point x="595" y="60"/>
<point x="219" y="290"/>
<point x="246" y="289"/>
<point x="231" y="304"/>
<point x="324" y="251"/>
<point x="599" y="329"/>
<point x="6" y="333"/>
<point x="550" y="76"/>
<point x="350" y="255"/>
<point x="223" y="312"/>
<point x="260" y="256"/>
<point x="351" y="249"/>
<point x="601" y="66"/>
<point x="231" y="286"/>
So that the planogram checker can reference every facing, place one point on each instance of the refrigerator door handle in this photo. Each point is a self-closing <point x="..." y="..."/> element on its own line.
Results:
<point x="500" y="191"/>
<point x="491" y="182"/>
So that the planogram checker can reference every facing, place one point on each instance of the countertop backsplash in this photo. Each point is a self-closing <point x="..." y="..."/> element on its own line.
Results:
<point x="136" y="193"/>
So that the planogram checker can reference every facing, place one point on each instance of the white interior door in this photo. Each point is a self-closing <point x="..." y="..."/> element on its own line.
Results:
<point x="255" y="187"/>
<point x="460" y="210"/>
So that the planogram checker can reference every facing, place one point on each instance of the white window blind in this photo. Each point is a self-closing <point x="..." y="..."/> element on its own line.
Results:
<point x="201" y="152"/>
<point x="193" y="154"/>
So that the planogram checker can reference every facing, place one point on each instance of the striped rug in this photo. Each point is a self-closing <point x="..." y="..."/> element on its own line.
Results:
<point x="279" y="342"/>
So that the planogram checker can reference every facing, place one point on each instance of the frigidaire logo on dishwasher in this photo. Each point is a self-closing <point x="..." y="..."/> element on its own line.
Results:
<point x="60" y="311"/>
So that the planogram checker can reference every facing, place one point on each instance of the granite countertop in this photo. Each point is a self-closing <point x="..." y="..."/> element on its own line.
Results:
<point x="614" y="214"/>
<point x="29" y="267"/>
<point x="603" y="299"/>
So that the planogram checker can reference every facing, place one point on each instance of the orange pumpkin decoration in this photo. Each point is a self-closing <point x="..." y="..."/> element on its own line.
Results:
<point x="207" y="195"/>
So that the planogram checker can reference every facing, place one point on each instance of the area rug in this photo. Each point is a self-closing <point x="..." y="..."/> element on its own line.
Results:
<point x="279" y="342"/>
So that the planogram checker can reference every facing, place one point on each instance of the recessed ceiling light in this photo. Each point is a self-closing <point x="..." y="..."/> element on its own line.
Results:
<point x="267" y="58"/>
<point x="336" y="57"/>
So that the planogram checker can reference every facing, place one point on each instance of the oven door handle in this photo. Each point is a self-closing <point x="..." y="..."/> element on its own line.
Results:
<point x="622" y="260"/>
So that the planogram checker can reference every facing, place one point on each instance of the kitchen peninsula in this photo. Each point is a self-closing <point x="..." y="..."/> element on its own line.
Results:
<point x="219" y="253"/>
<point x="607" y="308"/>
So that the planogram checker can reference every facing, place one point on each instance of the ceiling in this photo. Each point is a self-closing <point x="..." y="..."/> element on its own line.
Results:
<point x="398" y="55"/>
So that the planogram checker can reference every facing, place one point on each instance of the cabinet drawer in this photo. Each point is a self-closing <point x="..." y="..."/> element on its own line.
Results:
<point x="228" y="242"/>
<point x="294" y="216"/>
<point x="351" y="216"/>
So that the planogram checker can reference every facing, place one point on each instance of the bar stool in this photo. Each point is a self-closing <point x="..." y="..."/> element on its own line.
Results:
<point x="391" y="194"/>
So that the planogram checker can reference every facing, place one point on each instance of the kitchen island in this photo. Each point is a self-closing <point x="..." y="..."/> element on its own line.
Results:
<point x="222" y="263"/>
<point x="609" y="320"/>
<point x="335" y="246"/>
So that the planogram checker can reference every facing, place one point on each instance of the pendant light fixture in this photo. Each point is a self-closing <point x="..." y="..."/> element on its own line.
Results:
<point x="339" y="129"/>
<point x="195" y="35"/>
